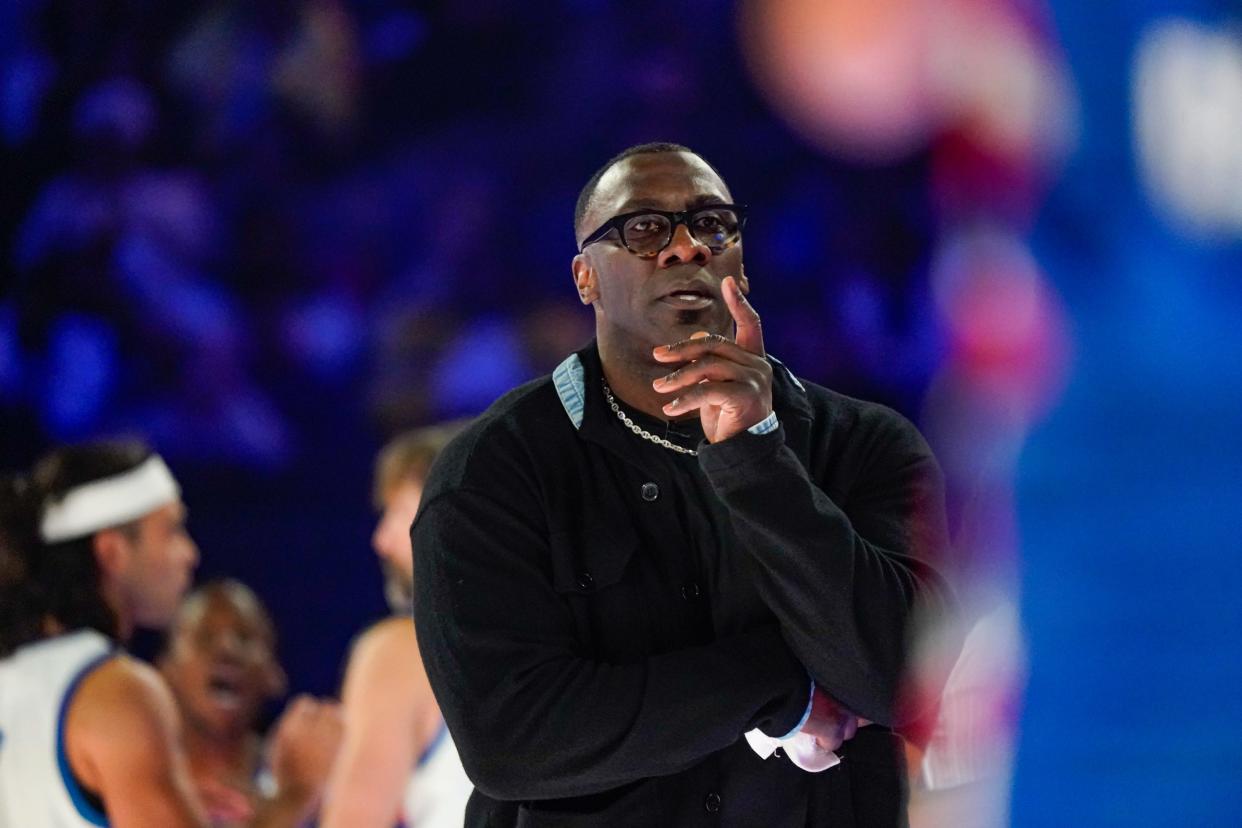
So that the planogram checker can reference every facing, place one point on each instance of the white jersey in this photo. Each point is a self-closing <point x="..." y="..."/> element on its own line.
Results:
<point x="37" y="682"/>
<point x="435" y="796"/>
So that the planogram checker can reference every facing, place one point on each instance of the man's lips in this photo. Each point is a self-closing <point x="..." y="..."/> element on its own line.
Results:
<point x="689" y="297"/>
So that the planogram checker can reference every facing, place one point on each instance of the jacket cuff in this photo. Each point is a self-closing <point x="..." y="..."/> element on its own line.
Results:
<point x="740" y="452"/>
<point x="810" y="702"/>
<point x="784" y="676"/>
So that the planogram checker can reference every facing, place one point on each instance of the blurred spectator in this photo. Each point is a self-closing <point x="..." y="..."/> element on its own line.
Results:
<point x="398" y="759"/>
<point x="221" y="665"/>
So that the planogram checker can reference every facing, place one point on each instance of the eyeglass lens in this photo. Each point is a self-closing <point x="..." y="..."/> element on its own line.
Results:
<point x="648" y="234"/>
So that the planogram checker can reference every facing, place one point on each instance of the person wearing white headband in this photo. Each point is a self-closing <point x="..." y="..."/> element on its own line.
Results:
<point x="110" y="501"/>
<point x="135" y="523"/>
<point x="93" y="544"/>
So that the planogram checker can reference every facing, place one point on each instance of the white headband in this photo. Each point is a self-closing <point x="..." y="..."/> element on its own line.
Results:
<point x="110" y="501"/>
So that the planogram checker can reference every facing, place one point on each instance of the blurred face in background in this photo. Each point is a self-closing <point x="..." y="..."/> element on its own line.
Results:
<point x="221" y="660"/>
<point x="152" y="565"/>
<point x="391" y="540"/>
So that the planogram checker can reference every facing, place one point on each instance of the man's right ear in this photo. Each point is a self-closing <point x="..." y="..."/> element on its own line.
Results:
<point x="585" y="279"/>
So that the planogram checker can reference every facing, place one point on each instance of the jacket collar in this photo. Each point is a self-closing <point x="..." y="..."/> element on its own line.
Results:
<point x="577" y="381"/>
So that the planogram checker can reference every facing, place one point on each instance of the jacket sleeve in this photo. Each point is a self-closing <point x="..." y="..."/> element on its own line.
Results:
<point x="846" y="580"/>
<point x="531" y="716"/>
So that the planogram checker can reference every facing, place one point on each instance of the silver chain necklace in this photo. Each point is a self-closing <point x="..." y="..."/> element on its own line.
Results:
<point x="639" y="430"/>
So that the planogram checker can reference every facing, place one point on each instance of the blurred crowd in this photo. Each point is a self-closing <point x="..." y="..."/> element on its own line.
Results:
<point x="224" y="212"/>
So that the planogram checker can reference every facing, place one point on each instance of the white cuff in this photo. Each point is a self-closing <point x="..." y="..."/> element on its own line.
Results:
<point x="767" y="424"/>
<point x="799" y="746"/>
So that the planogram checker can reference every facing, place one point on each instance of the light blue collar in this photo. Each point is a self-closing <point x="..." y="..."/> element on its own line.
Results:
<point x="569" y="378"/>
<point x="570" y="381"/>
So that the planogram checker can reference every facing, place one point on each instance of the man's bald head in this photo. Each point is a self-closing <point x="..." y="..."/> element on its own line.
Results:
<point x="587" y="195"/>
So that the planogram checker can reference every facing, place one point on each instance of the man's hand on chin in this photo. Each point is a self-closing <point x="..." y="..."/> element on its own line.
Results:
<point x="728" y="382"/>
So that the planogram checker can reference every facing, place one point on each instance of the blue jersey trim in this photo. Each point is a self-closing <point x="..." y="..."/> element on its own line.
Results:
<point x="86" y="810"/>
<point x="431" y="748"/>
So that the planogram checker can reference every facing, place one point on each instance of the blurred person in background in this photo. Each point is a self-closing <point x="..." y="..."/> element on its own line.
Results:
<point x="664" y="584"/>
<point x="93" y="543"/>
<point x="220" y="662"/>
<point x="397" y="762"/>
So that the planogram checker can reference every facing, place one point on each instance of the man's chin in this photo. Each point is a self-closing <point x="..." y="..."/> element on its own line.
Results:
<point x="681" y="322"/>
<point x="398" y="592"/>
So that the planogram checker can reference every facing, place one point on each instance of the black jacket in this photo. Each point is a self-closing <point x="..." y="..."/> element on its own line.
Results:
<point x="565" y="636"/>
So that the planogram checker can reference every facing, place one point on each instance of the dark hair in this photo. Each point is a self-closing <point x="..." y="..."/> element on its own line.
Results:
<point x="58" y="581"/>
<point x="588" y="190"/>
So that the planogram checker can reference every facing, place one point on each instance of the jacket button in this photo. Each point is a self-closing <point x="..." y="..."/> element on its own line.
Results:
<point x="585" y="581"/>
<point x="690" y="591"/>
<point x="650" y="491"/>
<point x="712" y="803"/>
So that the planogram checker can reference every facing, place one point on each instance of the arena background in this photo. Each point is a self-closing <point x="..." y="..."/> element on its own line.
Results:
<point x="267" y="236"/>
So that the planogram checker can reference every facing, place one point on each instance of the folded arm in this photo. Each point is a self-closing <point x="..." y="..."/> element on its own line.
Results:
<point x="535" y="718"/>
<point x="847" y="580"/>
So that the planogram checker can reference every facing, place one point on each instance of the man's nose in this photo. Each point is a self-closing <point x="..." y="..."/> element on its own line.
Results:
<point x="684" y="248"/>
<point x="379" y="538"/>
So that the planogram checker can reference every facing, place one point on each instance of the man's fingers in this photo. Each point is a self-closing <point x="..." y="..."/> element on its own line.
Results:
<point x="834" y="732"/>
<point x="710" y="367"/>
<point x="700" y="346"/>
<point x="698" y="343"/>
<point x="827" y="743"/>
<point x="705" y="393"/>
<point x="745" y="317"/>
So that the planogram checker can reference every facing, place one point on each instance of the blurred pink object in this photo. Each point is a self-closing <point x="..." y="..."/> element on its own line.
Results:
<point x="874" y="80"/>
<point x="850" y="75"/>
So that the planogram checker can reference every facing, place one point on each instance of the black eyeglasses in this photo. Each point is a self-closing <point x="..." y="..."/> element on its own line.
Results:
<point x="646" y="232"/>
